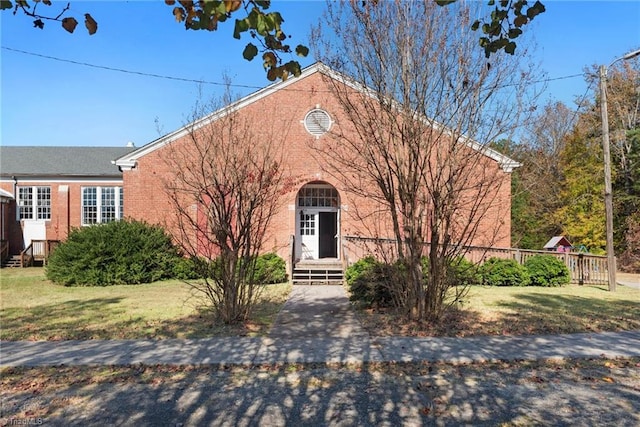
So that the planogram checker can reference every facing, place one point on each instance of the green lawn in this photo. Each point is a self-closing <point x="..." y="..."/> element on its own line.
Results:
<point x="522" y="311"/>
<point x="35" y="309"/>
<point x="565" y="309"/>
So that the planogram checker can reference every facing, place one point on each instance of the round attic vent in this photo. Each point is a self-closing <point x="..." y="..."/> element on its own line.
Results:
<point x="317" y="122"/>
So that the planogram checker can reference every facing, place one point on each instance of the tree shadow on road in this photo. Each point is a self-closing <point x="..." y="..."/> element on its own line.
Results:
<point x="530" y="393"/>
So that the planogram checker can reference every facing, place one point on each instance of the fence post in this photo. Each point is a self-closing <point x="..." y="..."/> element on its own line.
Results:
<point x="581" y="268"/>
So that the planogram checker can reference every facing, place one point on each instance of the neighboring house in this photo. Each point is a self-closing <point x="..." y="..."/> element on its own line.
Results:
<point x="48" y="190"/>
<point x="320" y="213"/>
<point x="558" y="244"/>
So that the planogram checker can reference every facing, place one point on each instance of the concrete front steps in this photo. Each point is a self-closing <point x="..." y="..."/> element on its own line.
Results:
<point x="318" y="272"/>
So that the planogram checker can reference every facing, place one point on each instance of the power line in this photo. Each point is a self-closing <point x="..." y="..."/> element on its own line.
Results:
<point x="121" y="70"/>
<point x="181" y="79"/>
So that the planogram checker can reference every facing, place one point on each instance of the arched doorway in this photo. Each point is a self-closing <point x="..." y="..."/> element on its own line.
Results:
<point x="317" y="222"/>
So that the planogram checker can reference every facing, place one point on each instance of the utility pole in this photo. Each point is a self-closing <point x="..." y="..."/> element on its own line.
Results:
<point x="608" y="192"/>
<point x="608" y="196"/>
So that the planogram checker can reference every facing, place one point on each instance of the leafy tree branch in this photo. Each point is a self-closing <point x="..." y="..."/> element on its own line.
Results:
<point x="69" y="23"/>
<point x="265" y="27"/>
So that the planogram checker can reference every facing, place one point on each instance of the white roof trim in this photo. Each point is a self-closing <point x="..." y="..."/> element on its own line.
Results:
<point x="129" y="161"/>
<point x="506" y="163"/>
<point x="5" y="194"/>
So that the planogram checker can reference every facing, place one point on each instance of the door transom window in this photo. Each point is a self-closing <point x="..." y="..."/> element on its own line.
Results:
<point x="318" y="197"/>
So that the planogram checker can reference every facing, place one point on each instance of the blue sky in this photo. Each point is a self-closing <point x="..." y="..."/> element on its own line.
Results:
<point x="48" y="102"/>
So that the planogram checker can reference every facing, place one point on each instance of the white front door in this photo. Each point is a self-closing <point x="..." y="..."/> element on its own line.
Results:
<point x="317" y="222"/>
<point x="308" y="234"/>
<point x="33" y="230"/>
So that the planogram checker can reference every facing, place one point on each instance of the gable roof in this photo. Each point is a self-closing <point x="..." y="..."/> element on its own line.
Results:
<point x="557" y="241"/>
<point x="129" y="160"/>
<point x="33" y="161"/>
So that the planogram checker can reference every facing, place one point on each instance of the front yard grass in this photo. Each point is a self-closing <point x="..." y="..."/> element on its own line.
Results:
<point x="35" y="309"/>
<point x="521" y="311"/>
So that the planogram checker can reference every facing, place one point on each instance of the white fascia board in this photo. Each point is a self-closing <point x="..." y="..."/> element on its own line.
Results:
<point x="124" y="164"/>
<point x="129" y="161"/>
<point x="506" y="163"/>
<point x="5" y="194"/>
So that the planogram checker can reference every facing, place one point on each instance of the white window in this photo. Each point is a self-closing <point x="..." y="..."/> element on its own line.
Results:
<point x="307" y="224"/>
<point x="101" y="204"/>
<point x="34" y="203"/>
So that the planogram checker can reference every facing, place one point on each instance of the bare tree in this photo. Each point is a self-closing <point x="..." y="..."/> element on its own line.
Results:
<point x="225" y="182"/>
<point x="538" y="185"/>
<point x="421" y="105"/>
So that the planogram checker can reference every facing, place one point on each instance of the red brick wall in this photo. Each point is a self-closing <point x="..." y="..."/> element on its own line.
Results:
<point x="66" y="208"/>
<point x="281" y="113"/>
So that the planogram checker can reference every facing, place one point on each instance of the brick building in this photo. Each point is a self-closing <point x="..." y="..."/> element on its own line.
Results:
<point x="319" y="218"/>
<point x="48" y="190"/>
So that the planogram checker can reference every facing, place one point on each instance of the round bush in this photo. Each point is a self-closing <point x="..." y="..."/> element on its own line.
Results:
<point x="115" y="253"/>
<point x="463" y="272"/>
<point x="185" y="269"/>
<point x="370" y="282"/>
<point x="460" y="271"/>
<point x="504" y="272"/>
<point x="359" y="268"/>
<point x="269" y="269"/>
<point x="547" y="270"/>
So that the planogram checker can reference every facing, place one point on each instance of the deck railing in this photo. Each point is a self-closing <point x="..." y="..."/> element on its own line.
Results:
<point x="26" y="256"/>
<point x="38" y="250"/>
<point x="583" y="268"/>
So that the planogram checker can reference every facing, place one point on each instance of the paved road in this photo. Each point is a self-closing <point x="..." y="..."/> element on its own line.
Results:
<point x="438" y="395"/>
<point x="627" y="279"/>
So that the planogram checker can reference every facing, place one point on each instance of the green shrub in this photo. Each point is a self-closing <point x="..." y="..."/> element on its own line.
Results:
<point x="270" y="268"/>
<point x="359" y="268"/>
<point x="115" y="253"/>
<point x="547" y="270"/>
<point x="371" y="283"/>
<point x="504" y="272"/>
<point x="463" y="272"/>
<point x="185" y="269"/>
<point x="460" y="272"/>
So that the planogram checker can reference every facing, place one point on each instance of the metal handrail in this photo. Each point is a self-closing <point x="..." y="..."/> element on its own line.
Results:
<point x="292" y="254"/>
<point x="4" y="250"/>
